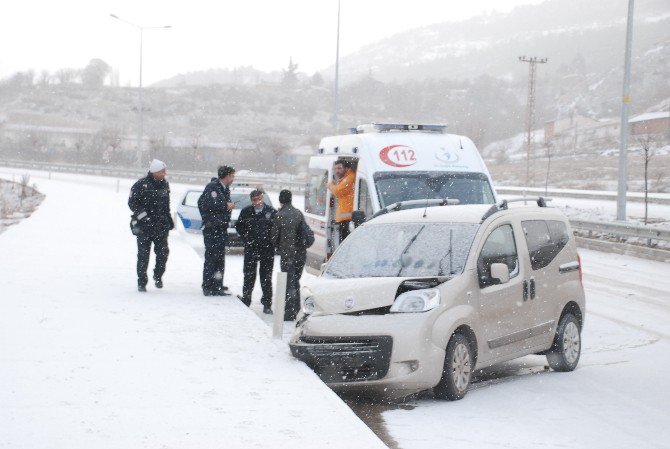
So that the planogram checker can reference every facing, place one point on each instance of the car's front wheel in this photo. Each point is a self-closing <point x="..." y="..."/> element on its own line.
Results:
<point x="567" y="347"/>
<point x="457" y="369"/>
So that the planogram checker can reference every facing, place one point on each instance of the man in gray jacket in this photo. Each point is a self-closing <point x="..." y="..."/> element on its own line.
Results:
<point x="287" y="239"/>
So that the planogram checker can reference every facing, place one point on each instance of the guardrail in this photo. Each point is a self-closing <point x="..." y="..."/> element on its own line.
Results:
<point x="579" y="194"/>
<point x="622" y="229"/>
<point x="623" y="238"/>
<point x="596" y="232"/>
<point x="185" y="177"/>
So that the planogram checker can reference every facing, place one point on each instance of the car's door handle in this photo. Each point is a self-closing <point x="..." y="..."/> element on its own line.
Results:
<point x="532" y="288"/>
<point x="525" y="290"/>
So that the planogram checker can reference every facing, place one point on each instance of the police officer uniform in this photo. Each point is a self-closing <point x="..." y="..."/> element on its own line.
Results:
<point x="213" y="205"/>
<point x="150" y="202"/>
<point x="255" y="228"/>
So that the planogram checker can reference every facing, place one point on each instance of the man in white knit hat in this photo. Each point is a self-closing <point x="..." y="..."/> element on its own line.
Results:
<point x="151" y="222"/>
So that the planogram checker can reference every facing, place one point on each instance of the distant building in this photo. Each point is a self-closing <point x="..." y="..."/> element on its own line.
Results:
<point x="653" y="123"/>
<point x="583" y="133"/>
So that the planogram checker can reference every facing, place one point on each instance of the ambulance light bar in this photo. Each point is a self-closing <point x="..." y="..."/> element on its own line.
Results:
<point x="391" y="127"/>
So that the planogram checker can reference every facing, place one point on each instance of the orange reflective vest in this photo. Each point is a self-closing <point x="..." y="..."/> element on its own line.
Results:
<point x="344" y="192"/>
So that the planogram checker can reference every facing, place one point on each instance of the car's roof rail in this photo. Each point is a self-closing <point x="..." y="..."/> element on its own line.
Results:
<point x="416" y="203"/>
<point x="503" y="205"/>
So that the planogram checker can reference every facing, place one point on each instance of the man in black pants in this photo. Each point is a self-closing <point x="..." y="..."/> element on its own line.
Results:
<point x="215" y="206"/>
<point x="254" y="225"/>
<point x="150" y="202"/>
<point x="286" y="237"/>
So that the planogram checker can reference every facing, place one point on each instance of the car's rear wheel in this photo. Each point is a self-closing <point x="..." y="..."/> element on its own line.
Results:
<point x="457" y="369"/>
<point x="567" y="347"/>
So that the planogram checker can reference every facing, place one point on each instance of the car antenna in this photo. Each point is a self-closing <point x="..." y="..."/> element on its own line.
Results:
<point x="425" y="209"/>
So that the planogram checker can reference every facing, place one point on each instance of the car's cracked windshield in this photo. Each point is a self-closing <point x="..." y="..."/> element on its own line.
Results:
<point x="403" y="250"/>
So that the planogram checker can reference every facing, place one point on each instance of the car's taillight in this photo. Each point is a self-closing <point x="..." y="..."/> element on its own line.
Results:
<point x="328" y="256"/>
<point x="579" y="261"/>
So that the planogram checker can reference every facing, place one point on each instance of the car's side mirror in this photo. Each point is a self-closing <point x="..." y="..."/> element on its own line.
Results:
<point x="500" y="272"/>
<point x="358" y="217"/>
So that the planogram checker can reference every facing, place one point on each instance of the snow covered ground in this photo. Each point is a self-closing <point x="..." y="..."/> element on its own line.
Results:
<point x="85" y="361"/>
<point x="88" y="362"/>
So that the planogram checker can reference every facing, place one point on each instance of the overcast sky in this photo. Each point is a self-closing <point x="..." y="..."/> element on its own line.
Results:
<point x="52" y="34"/>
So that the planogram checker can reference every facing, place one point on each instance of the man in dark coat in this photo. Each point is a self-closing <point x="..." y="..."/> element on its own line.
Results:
<point x="287" y="239"/>
<point x="254" y="226"/>
<point x="215" y="206"/>
<point x="150" y="202"/>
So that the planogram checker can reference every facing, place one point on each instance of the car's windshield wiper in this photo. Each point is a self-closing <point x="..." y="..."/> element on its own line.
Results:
<point x="406" y="248"/>
<point x="448" y="253"/>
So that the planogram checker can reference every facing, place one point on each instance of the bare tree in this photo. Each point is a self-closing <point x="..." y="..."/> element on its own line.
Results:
<point x="44" y="78"/>
<point x="78" y="146"/>
<point x="111" y="139"/>
<point x="647" y="144"/>
<point x="66" y="76"/>
<point x="156" y="145"/>
<point x="195" y="144"/>
<point x="550" y="148"/>
<point x="270" y="147"/>
<point x="24" y="180"/>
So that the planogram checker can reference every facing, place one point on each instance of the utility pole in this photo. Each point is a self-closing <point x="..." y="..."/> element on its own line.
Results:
<point x="532" y="62"/>
<point x="336" y="120"/>
<point x="623" y="144"/>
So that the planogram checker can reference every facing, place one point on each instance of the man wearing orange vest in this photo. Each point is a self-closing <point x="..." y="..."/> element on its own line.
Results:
<point x="343" y="190"/>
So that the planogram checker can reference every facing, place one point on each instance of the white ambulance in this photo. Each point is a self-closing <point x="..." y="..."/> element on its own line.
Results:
<point x="397" y="166"/>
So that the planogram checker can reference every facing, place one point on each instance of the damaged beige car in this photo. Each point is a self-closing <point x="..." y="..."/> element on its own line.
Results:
<point x="417" y="299"/>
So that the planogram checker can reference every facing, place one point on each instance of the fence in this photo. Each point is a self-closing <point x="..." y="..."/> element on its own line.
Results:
<point x="269" y="182"/>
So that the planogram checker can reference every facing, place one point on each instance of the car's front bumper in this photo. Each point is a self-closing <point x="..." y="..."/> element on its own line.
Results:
<point x="376" y="353"/>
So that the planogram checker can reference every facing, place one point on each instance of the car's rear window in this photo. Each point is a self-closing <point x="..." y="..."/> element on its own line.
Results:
<point x="545" y="240"/>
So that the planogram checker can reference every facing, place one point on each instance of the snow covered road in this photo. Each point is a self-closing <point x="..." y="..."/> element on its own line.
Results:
<point x="88" y="362"/>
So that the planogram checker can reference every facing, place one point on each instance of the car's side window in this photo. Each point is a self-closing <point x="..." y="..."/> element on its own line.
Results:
<point x="191" y="199"/>
<point x="545" y="240"/>
<point x="315" y="193"/>
<point x="500" y="247"/>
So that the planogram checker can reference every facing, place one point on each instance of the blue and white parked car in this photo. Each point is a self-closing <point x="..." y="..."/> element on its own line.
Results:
<point x="188" y="212"/>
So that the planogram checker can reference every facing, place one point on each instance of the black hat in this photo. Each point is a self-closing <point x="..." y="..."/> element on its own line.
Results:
<point x="285" y="197"/>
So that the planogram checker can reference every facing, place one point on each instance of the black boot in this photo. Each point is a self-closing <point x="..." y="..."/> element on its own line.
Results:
<point x="159" y="283"/>
<point x="267" y="310"/>
<point x="141" y="288"/>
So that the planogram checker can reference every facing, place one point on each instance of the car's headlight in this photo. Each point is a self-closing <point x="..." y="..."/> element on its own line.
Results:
<point x="417" y="301"/>
<point x="309" y="305"/>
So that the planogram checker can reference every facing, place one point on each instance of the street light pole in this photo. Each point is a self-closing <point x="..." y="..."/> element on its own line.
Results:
<point x="140" y="131"/>
<point x="336" y="120"/>
<point x="623" y="144"/>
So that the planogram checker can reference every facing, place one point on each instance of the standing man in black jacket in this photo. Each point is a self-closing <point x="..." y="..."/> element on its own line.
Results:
<point x="254" y="225"/>
<point x="150" y="202"/>
<point x="288" y="239"/>
<point x="215" y="207"/>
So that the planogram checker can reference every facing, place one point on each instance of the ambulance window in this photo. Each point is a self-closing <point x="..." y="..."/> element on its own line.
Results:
<point x="364" y="201"/>
<point x="315" y="193"/>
